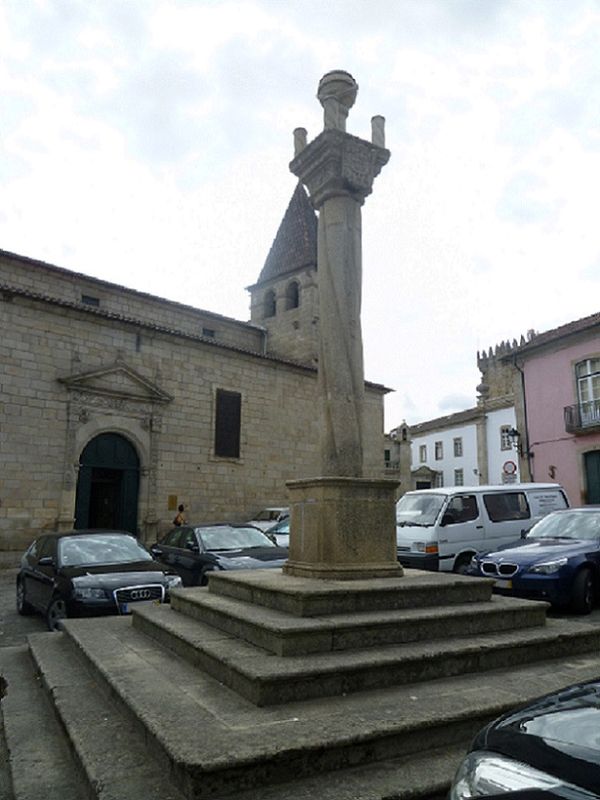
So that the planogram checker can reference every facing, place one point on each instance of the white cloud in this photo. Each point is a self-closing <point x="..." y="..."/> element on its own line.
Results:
<point x="148" y="142"/>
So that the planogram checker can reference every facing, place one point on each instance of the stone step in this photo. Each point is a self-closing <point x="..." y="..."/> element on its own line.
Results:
<point x="112" y="758"/>
<point x="306" y="597"/>
<point x="425" y="777"/>
<point x="39" y="760"/>
<point x="216" y="744"/>
<point x="284" y="634"/>
<point x="267" y="679"/>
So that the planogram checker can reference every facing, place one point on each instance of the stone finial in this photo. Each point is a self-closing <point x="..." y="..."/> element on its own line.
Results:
<point x="299" y="140"/>
<point x="378" y="130"/>
<point x="337" y="93"/>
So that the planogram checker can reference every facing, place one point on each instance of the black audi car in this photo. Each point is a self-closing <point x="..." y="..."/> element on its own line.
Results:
<point x="89" y="573"/>
<point x="550" y="748"/>
<point x="195" y="550"/>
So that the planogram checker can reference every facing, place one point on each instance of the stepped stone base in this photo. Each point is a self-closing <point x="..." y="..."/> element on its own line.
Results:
<point x="215" y="697"/>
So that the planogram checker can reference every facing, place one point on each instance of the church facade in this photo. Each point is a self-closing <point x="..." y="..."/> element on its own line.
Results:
<point x="117" y="406"/>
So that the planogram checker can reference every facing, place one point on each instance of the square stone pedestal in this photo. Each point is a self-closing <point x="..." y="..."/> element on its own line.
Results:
<point x="342" y="528"/>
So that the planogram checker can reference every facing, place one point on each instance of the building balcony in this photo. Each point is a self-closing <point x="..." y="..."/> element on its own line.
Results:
<point x="392" y="466"/>
<point x="583" y="417"/>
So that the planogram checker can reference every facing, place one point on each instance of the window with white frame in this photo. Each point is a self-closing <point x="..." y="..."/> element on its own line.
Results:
<point x="459" y="477"/>
<point x="458" y="446"/>
<point x="439" y="479"/>
<point x="588" y="390"/>
<point x="505" y="443"/>
<point x="439" y="451"/>
<point x="423" y="453"/>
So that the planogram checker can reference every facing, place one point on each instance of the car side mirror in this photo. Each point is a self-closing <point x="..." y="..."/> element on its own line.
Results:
<point x="192" y="546"/>
<point x="447" y="519"/>
<point x="46" y="561"/>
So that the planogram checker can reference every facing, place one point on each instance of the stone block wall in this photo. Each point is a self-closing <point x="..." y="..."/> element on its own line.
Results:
<point x="158" y="390"/>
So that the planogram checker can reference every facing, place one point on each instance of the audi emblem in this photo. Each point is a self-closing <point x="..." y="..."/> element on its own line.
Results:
<point x="141" y="594"/>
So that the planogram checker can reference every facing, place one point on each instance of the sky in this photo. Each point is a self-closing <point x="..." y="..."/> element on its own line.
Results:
<point x="147" y="143"/>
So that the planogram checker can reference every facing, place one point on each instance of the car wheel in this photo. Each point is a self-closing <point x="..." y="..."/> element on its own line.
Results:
<point x="23" y="607"/>
<point x="582" y="595"/>
<point x="57" y="611"/>
<point x="461" y="565"/>
<point x="203" y="578"/>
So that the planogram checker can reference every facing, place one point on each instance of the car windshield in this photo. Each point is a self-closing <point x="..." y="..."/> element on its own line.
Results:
<point x="567" y="525"/>
<point x="418" y="509"/>
<point x="281" y="527"/>
<point x="100" y="548"/>
<point x="225" y="537"/>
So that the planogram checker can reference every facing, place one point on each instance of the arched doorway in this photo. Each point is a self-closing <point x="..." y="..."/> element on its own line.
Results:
<point x="107" y="485"/>
<point x="592" y="476"/>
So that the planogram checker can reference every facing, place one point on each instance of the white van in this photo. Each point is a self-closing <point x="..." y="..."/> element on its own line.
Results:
<point x="441" y="529"/>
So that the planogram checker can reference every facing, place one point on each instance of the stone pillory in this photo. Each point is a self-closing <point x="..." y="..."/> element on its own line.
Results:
<point x="338" y="171"/>
<point x="341" y="524"/>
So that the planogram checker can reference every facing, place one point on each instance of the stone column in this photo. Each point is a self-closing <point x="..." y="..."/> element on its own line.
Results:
<point x="342" y="525"/>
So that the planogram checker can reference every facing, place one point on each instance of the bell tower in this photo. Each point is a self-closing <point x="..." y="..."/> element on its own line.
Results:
<point x="285" y="300"/>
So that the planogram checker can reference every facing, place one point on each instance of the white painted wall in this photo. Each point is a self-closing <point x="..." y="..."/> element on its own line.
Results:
<point x="497" y="457"/>
<point x="467" y="462"/>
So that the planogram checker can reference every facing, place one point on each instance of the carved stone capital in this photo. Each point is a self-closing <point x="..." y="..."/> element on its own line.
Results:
<point x="338" y="164"/>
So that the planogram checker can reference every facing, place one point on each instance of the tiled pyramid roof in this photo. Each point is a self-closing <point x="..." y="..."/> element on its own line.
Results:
<point x="295" y="245"/>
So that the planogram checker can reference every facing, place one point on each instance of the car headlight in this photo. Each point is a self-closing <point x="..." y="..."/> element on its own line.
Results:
<point x="173" y="581"/>
<point x="487" y="774"/>
<point x="88" y="593"/>
<point x="425" y="547"/>
<point x="548" y="567"/>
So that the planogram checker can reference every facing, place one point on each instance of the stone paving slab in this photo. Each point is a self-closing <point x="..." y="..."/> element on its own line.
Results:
<point x="214" y="739"/>
<point x="285" y="634"/>
<point x="111" y="755"/>
<point x="41" y="765"/>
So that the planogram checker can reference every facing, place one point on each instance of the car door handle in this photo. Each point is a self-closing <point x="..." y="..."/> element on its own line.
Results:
<point x="479" y="527"/>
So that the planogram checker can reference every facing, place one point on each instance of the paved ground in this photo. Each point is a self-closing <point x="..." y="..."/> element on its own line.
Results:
<point x="14" y="629"/>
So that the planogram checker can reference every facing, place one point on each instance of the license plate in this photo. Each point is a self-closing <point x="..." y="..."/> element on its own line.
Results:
<point x="124" y="608"/>
<point x="503" y="584"/>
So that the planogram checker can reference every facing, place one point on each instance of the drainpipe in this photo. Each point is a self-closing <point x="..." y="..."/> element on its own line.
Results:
<point x="526" y="450"/>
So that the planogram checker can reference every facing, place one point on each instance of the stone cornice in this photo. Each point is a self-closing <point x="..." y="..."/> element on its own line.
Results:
<point x="337" y="164"/>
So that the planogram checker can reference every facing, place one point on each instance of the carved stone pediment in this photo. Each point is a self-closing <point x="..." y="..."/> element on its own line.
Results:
<point x="116" y="381"/>
<point x="425" y="473"/>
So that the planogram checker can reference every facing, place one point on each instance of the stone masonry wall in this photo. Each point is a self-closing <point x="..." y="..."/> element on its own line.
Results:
<point x="45" y="423"/>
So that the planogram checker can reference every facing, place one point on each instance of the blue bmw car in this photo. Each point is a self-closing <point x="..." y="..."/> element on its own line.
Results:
<point x="557" y="561"/>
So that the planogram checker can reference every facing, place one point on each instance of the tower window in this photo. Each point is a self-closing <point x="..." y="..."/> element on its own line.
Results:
<point x="269" y="304"/>
<point x="292" y="295"/>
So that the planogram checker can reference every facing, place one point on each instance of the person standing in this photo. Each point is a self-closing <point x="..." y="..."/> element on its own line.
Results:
<point x="179" y="517"/>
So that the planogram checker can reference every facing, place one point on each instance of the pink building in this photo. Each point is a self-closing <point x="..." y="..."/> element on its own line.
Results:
<point x="558" y="408"/>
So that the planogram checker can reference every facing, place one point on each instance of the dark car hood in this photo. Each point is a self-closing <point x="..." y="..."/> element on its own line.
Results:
<point x="106" y="575"/>
<point x="251" y="557"/>
<point x="528" y="551"/>
<point x="559" y="734"/>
